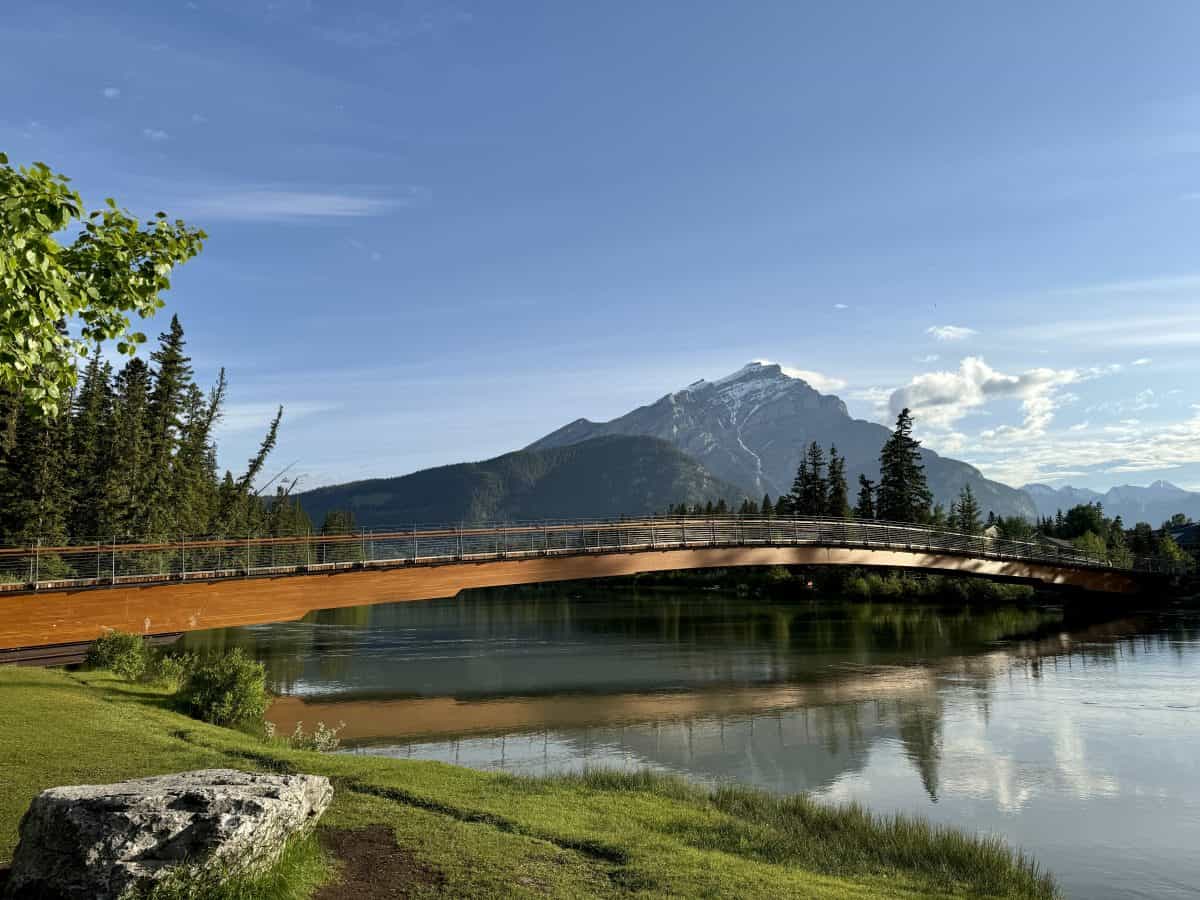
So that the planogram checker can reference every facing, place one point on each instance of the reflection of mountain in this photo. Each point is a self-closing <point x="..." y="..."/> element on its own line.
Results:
<point x="790" y="695"/>
<point x="805" y="748"/>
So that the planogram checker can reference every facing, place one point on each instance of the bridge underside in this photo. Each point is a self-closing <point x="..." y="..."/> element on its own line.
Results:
<point x="49" y="618"/>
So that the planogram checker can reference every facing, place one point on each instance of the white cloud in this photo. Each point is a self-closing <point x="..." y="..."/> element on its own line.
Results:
<point x="199" y="118"/>
<point x="1128" y="446"/>
<point x="928" y="358"/>
<point x="281" y="205"/>
<point x="1140" y="402"/>
<point x="950" y="332"/>
<point x="1081" y="426"/>
<point x="111" y="93"/>
<point x="155" y="134"/>
<point x="1143" y="361"/>
<point x="840" y="306"/>
<point x="238" y="417"/>
<point x="823" y="383"/>
<point x="939" y="399"/>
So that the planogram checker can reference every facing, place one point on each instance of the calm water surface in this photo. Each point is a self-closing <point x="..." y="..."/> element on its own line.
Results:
<point x="1074" y="737"/>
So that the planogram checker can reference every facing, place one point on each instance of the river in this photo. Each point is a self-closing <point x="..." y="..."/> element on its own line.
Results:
<point x="1073" y="736"/>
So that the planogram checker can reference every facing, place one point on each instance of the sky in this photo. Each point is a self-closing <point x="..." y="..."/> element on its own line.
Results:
<point x="439" y="230"/>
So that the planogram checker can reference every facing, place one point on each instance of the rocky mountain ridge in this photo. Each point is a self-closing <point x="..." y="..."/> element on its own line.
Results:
<point x="749" y="428"/>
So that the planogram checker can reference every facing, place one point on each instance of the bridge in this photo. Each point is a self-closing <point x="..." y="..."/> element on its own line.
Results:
<point x="51" y="596"/>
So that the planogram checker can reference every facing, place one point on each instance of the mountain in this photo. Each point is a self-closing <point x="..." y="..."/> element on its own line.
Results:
<point x="1154" y="503"/>
<point x="749" y="427"/>
<point x="604" y="476"/>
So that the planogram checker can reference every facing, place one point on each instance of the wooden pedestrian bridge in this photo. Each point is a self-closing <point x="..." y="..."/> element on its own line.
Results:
<point x="51" y="596"/>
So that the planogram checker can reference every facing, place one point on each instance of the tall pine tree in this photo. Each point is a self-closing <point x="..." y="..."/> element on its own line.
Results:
<point x="837" y="501"/>
<point x="903" y="494"/>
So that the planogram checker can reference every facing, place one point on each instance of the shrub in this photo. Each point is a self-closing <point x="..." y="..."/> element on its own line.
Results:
<point x="169" y="670"/>
<point x="226" y="690"/>
<point x="121" y="652"/>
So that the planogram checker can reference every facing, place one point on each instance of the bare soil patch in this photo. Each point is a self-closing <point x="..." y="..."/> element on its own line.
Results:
<point x="372" y="867"/>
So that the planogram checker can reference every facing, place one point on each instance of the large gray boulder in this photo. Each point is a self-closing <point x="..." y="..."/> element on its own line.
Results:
<point x="95" y="842"/>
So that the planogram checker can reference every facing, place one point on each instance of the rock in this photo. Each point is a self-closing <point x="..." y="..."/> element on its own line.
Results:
<point x="97" y="841"/>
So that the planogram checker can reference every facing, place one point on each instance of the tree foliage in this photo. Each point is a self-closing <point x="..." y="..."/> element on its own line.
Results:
<point x="56" y="300"/>
<point x="903" y="494"/>
<point x="134" y="457"/>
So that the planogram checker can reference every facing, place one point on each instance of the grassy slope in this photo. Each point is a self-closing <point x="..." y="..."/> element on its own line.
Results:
<point x="495" y="835"/>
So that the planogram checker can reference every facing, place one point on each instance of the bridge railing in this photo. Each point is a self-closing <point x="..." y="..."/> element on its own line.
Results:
<point x="43" y="566"/>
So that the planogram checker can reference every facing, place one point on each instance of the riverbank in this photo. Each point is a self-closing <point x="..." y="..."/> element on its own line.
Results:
<point x="470" y="834"/>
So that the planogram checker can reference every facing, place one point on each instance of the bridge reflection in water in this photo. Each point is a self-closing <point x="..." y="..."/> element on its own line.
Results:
<point x="1031" y="722"/>
<point x="174" y="586"/>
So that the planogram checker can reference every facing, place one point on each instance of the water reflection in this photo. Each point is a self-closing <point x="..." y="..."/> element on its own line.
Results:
<point x="1074" y="736"/>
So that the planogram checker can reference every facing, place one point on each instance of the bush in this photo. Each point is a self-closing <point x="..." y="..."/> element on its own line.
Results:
<point x="226" y="690"/>
<point x="169" y="670"/>
<point x="121" y="652"/>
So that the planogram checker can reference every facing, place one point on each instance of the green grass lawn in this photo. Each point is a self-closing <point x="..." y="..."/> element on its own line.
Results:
<point x="491" y="835"/>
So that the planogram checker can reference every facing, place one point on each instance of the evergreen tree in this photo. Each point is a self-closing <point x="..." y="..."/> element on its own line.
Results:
<point x="91" y="447"/>
<point x="34" y="480"/>
<point x="799" y="485"/>
<point x="864" y="508"/>
<point x="722" y="507"/>
<point x="165" y="420"/>
<point x="968" y="515"/>
<point x="125" y="510"/>
<point x="837" y="502"/>
<point x="809" y="491"/>
<point x="903" y="493"/>
<point x="783" y="506"/>
<point x="767" y="508"/>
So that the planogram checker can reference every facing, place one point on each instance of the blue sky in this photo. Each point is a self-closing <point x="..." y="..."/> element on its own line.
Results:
<point x="440" y="230"/>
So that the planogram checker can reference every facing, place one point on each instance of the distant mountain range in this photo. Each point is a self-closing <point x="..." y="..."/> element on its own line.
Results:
<point x="740" y="436"/>
<point x="749" y="429"/>
<point x="1154" y="503"/>
<point x="606" y="476"/>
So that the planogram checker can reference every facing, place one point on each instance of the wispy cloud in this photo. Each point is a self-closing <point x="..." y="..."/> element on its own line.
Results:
<point x="928" y="358"/>
<point x="1127" y="446"/>
<point x="238" y="417"/>
<point x="950" y="332"/>
<point x="111" y="93"/>
<point x="268" y="205"/>
<point x="365" y="31"/>
<point x="840" y="306"/>
<point x="1143" y="361"/>
<point x="155" y="134"/>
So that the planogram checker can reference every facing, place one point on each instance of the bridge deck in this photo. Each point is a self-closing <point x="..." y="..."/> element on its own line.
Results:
<point x="73" y="593"/>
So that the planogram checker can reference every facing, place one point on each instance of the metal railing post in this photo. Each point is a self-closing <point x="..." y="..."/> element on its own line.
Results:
<point x="114" y="559"/>
<point x="416" y="548"/>
<point x="183" y="559"/>
<point x="36" y="566"/>
<point x="460" y="541"/>
<point x="247" y="554"/>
